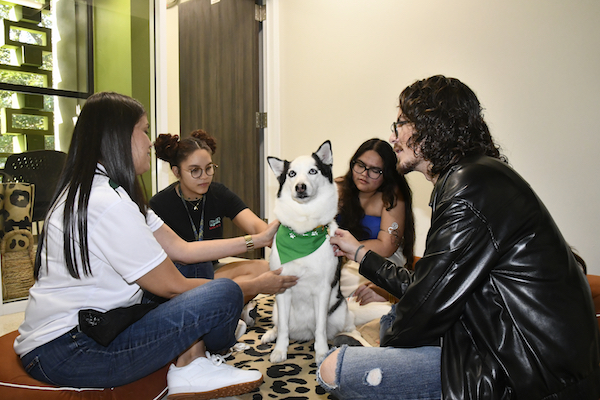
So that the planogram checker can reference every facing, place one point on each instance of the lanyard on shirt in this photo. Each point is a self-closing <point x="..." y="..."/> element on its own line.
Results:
<point x="198" y="233"/>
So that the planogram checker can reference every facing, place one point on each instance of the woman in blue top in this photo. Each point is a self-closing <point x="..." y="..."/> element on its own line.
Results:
<point x="375" y="205"/>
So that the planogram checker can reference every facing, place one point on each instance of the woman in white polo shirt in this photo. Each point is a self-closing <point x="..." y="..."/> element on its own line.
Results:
<point x="100" y="248"/>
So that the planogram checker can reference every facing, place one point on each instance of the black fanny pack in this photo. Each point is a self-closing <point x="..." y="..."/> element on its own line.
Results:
<point x="104" y="327"/>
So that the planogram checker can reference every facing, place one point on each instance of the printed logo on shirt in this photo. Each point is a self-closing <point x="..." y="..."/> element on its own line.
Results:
<point x="214" y="223"/>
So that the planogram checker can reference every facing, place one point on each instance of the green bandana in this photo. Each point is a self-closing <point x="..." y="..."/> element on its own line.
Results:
<point x="291" y="245"/>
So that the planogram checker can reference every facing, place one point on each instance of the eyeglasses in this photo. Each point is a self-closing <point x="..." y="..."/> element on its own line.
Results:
<point x="196" y="172"/>
<point x="373" y="172"/>
<point x="397" y="125"/>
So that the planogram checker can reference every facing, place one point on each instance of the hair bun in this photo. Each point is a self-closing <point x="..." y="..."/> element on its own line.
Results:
<point x="201" y="134"/>
<point x="166" y="146"/>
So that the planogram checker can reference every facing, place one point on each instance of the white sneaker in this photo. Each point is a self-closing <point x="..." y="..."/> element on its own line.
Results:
<point x="250" y="313"/>
<point x="240" y="330"/>
<point x="210" y="378"/>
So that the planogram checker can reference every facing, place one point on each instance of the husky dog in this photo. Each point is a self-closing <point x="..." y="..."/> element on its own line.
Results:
<point x="306" y="206"/>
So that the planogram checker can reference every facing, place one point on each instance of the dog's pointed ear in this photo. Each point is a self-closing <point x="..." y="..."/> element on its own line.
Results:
<point x="276" y="165"/>
<point x="325" y="154"/>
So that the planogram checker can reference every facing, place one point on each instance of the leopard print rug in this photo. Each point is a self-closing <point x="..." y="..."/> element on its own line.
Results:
<point x="293" y="379"/>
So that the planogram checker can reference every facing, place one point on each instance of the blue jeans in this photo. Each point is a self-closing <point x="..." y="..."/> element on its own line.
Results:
<point x="209" y="312"/>
<point x="386" y="322"/>
<point x="387" y="373"/>
<point x="204" y="270"/>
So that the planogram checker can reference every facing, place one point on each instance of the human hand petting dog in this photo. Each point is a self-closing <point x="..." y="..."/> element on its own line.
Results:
<point x="272" y="282"/>
<point x="344" y="244"/>
<point x="265" y="238"/>
<point x="366" y="293"/>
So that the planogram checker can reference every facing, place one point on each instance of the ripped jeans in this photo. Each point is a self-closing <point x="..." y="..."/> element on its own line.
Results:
<point x="386" y="373"/>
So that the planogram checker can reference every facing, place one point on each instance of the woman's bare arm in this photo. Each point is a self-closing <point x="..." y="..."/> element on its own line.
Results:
<point x="207" y="250"/>
<point x="249" y="222"/>
<point x="390" y="233"/>
<point x="166" y="281"/>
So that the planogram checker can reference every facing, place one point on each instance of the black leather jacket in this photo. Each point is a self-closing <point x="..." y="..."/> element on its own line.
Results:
<point x="499" y="284"/>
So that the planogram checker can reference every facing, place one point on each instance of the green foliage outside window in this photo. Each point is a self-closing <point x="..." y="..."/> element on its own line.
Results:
<point x="7" y="57"/>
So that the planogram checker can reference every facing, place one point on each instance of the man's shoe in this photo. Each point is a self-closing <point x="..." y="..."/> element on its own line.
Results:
<point x="210" y="378"/>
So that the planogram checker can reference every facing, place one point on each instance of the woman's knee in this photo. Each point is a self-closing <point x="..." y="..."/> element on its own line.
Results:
<point x="262" y="265"/>
<point x="328" y="368"/>
<point x="216" y="293"/>
<point x="227" y="285"/>
<point x="242" y="270"/>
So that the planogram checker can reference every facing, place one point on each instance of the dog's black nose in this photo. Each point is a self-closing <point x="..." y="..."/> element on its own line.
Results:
<point x="301" y="188"/>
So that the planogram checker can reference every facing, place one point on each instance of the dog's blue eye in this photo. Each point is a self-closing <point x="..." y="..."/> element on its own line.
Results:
<point x="292" y="174"/>
<point x="312" y="171"/>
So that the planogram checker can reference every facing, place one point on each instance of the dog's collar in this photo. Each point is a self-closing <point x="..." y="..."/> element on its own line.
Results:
<point x="292" y="245"/>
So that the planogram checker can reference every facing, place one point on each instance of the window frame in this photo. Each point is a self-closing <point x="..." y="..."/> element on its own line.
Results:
<point x="11" y="87"/>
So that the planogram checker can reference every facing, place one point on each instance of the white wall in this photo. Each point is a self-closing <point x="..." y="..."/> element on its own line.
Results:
<point x="169" y="51"/>
<point x="172" y="33"/>
<point x="337" y="67"/>
<point x="334" y="70"/>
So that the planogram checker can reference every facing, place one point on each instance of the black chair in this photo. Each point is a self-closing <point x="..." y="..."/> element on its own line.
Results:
<point x="43" y="169"/>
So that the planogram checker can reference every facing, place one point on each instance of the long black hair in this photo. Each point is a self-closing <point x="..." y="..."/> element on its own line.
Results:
<point x="102" y="135"/>
<point x="350" y="211"/>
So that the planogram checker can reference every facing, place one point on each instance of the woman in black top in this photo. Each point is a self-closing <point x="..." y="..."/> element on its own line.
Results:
<point x="195" y="207"/>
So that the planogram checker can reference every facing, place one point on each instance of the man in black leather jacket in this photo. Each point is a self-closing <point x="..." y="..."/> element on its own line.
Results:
<point x="497" y="282"/>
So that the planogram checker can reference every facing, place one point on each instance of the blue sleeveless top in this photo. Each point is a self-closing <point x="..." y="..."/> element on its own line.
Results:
<point x="372" y="225"/>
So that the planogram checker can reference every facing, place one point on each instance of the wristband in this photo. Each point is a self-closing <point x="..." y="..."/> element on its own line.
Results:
<point x="249" y="242"/>
<point x="357" y="250"/>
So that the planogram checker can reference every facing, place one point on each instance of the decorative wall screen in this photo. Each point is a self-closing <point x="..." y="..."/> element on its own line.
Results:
<point x="46" y="72"/>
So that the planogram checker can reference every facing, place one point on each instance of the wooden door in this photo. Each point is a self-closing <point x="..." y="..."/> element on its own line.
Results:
<point x="219" y="90"/>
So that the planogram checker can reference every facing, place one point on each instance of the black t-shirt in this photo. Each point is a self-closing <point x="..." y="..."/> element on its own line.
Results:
<point x="220" y="203"/>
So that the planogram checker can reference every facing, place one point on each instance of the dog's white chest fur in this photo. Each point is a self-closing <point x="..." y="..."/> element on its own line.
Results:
<point x="313" y="308"/>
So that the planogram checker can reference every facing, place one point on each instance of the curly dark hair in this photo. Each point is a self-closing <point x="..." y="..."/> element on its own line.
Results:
<point x="172" y="150"/>
<point x="350" y="211"/>
<point x="448" y="122"/>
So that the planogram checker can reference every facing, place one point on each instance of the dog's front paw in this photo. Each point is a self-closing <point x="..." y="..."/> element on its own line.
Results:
<point x="269" y="336"/>
<point x="320" y="352"/>
<point x="320" y="357"/>
<point x="278" y="356"/>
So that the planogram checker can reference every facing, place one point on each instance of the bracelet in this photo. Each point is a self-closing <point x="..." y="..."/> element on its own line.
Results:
<point x="357" y="250"/>
<point x="249" y="242"/>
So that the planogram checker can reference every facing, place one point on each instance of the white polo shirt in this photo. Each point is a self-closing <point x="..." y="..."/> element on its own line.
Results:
<point x="122" y="249"/>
